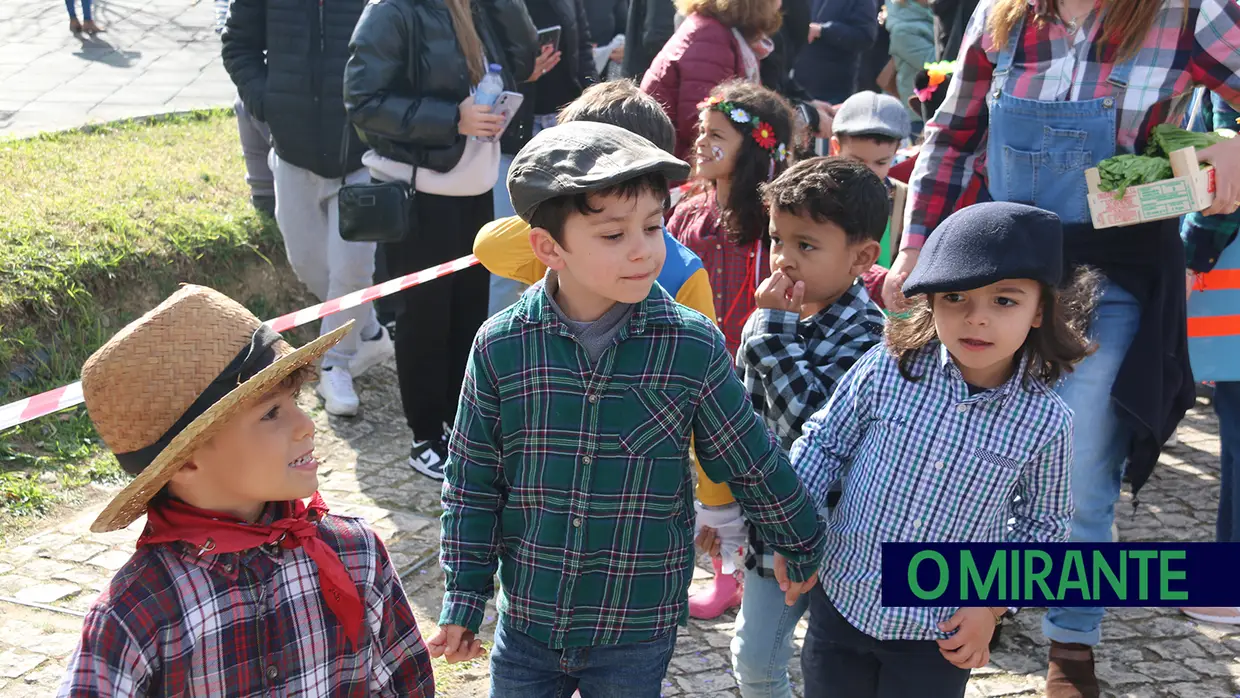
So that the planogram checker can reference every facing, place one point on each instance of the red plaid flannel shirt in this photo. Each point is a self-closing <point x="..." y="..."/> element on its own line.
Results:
<point x="250" y="624"/>
<point x="1180" y="50"/>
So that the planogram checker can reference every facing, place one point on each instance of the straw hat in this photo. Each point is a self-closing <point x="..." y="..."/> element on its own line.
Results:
<point x="166" y="382"/>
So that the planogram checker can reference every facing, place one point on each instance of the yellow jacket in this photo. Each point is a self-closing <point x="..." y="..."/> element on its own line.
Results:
<point x="503" y="247"/>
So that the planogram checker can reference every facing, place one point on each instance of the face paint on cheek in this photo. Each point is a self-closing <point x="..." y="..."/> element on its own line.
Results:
<point x="716" y="152"/>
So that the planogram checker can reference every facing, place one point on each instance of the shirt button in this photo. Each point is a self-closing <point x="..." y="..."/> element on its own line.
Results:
<point x="262" y="606"/>
<point x="1108" y="102"/>
<point x="940" y="465"/>
<point x="996" y="94"/>
<point x="719" y="270"/>
<point x="587" y="460"/>
<point x="593" y="399"/>
<point x="577" y="523"/>
<point x="962" y="408"/>
<point x="272" y="672"/>
<point x="228" y="568"/>
<point x="916" y="523"/>
<point x="718" y="247"/>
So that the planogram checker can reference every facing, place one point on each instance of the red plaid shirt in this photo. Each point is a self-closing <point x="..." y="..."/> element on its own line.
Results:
<point x="1202" y="47"/>
<point x="250" y="624"/>
<point x="735" y="271"/>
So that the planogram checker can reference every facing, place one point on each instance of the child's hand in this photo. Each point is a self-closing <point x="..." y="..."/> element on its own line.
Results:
<point x="455" y="644"/>
<point x="969" y="647"/>
<point x="792" y="590"/>
<point x="779" y="293"/>
<point x="708" y="542"/>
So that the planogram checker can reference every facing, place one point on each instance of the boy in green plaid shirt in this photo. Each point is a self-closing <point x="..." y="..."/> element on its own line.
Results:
<point x="569" y="467"/>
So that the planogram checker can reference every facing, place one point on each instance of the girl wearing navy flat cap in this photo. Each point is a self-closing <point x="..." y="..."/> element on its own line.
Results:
<point x="945" y="435"/>
<point x="1044" y="90"/>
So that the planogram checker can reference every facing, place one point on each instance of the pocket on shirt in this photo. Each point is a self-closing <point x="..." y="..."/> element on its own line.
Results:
<point x="656" y="423"/>
<point x="998" y="459"/>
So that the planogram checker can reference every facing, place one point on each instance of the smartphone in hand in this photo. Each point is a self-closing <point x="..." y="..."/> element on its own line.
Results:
<point x="549" y="37"/>
<point x="506" y="105"/>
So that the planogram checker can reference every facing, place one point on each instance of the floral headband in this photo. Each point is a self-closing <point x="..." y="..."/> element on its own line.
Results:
<point x="936" y="73"/>
<point x="762" y="133"/>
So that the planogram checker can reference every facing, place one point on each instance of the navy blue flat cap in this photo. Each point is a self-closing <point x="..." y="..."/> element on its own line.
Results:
<point x="984" y="243"/>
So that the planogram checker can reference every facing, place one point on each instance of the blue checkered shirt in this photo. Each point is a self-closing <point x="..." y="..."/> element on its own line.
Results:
<point x="790" y="367"/>
<point x="926" y="461"/>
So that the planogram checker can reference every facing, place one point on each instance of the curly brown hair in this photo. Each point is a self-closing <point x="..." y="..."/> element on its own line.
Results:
<point x="1052" y="349"/>
<point x="745" y="217"/>
<point x="754" y="18"/>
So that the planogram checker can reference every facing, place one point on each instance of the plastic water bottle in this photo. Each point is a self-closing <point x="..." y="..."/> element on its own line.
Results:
<point x="490" y="87"/>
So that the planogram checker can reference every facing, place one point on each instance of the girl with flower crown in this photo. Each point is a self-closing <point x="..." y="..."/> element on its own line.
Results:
<point x="744" y="136"/>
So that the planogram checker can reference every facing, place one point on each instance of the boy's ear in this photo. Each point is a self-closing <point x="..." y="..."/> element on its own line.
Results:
<point x="1037" y="319"/>
<point x="546" y="249"/>
<point x="864" y="255"/>
<point x="835" y="146"/>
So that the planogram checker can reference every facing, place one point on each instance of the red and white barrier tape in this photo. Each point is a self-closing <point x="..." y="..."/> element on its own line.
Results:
<point x="67" y="396"/>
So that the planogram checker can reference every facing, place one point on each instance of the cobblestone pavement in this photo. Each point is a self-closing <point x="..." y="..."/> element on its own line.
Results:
<point x="50" y="578"/>
<point x="154" y="56"/>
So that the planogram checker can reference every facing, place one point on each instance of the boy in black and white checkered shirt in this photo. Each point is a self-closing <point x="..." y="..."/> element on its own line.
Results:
<point x="814" y="321"/>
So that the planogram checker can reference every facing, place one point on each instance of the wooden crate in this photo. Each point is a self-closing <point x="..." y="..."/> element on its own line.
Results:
<point x="1191" y="189"/>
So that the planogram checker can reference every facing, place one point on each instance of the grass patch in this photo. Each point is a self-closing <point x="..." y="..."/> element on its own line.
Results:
<point x="96" y="228"/>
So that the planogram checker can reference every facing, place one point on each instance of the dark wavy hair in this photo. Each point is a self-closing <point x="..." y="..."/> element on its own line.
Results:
<point x="745" y="217"/>
<point x="1052" y="350"/>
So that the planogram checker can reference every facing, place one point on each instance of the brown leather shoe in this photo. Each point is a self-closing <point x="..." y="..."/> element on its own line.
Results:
<point x="74" y="25"/>
<point x="1071" y="672"/>
<point x="90" y="27"/>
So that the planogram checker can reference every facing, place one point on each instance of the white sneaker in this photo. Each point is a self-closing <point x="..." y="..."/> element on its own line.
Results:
<point x="429" y="457"/>
<point x="372" y="352"/>
<point x="336" y="389"/>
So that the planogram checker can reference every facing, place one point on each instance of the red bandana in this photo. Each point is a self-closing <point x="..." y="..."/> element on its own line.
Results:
<point x="215" y="533"/>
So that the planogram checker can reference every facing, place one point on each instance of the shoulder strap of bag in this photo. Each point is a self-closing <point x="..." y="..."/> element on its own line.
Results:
<point x="344" y="150"/>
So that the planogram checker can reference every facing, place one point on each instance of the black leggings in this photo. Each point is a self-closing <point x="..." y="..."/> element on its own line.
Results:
<point x="436" y="321"/>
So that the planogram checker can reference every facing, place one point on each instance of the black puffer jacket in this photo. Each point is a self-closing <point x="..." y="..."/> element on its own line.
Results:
<point x="406" y="75"/>
<point x="575" y="71"/>
<point x="287" y="59"/>
<point x="607" y="18"/>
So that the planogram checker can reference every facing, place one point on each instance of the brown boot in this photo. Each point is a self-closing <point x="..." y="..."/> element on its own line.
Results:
<point x="90" y="27"/>
<point x="74" y="25"/>
<point x="1071" y="672"/>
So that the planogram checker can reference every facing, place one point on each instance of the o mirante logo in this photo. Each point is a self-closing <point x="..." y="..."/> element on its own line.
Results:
<point x="1066" y="574"/>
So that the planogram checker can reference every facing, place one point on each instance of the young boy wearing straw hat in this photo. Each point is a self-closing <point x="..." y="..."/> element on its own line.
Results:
<point x="237" y="588"/>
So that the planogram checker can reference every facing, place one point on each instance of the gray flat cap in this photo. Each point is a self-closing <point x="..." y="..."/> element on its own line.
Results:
<point x="872" y="114"/>
<point x="583" y="156"/>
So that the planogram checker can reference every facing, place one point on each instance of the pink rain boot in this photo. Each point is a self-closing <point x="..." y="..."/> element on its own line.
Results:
<point x="717" y="600"/>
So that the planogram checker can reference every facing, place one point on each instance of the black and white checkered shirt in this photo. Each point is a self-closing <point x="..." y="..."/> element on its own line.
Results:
<point x="790" y="367"/>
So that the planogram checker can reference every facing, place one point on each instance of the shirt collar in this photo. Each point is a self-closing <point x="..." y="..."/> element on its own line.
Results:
<point x="534" y="308"/>
<point x="1001" y="393"/>
<point x="842" y="313"/>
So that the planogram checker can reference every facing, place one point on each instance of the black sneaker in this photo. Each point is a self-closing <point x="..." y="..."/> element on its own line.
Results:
<point x="429" y="457"/>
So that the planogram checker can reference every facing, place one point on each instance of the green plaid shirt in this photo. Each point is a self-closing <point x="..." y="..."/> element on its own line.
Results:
<point x="575" y="480"/>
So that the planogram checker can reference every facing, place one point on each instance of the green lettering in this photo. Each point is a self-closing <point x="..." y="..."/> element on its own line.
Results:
<point x="1015" y="575"/>
<point x="918" y="591"/>
<point x="971" y="576"/>
<point x="1118" y="584"/>
<point x="1166" y="575"/>
<point x="1075" y="566"/>
<point x="1143" y="572"/>
<point x="1037" y="577"/>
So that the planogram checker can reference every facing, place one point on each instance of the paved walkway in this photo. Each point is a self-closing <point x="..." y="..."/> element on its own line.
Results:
<point x="154" y="56"/>
<point x="47" y="580"/>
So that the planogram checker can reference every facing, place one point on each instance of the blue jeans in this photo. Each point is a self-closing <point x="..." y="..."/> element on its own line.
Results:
<point x="1227" y="407"/>
<point x="763" y="647"/>
<point x="1099" y="447"/>
<point x="522" y="667"/>
<point x="85" y="10"/>
<point x="504" y="292"/>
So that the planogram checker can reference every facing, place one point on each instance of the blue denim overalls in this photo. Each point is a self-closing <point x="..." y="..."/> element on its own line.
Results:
<point x="1037" y="153"/>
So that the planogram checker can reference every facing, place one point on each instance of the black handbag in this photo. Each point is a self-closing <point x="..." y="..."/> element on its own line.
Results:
<point x="373" y="211"/>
